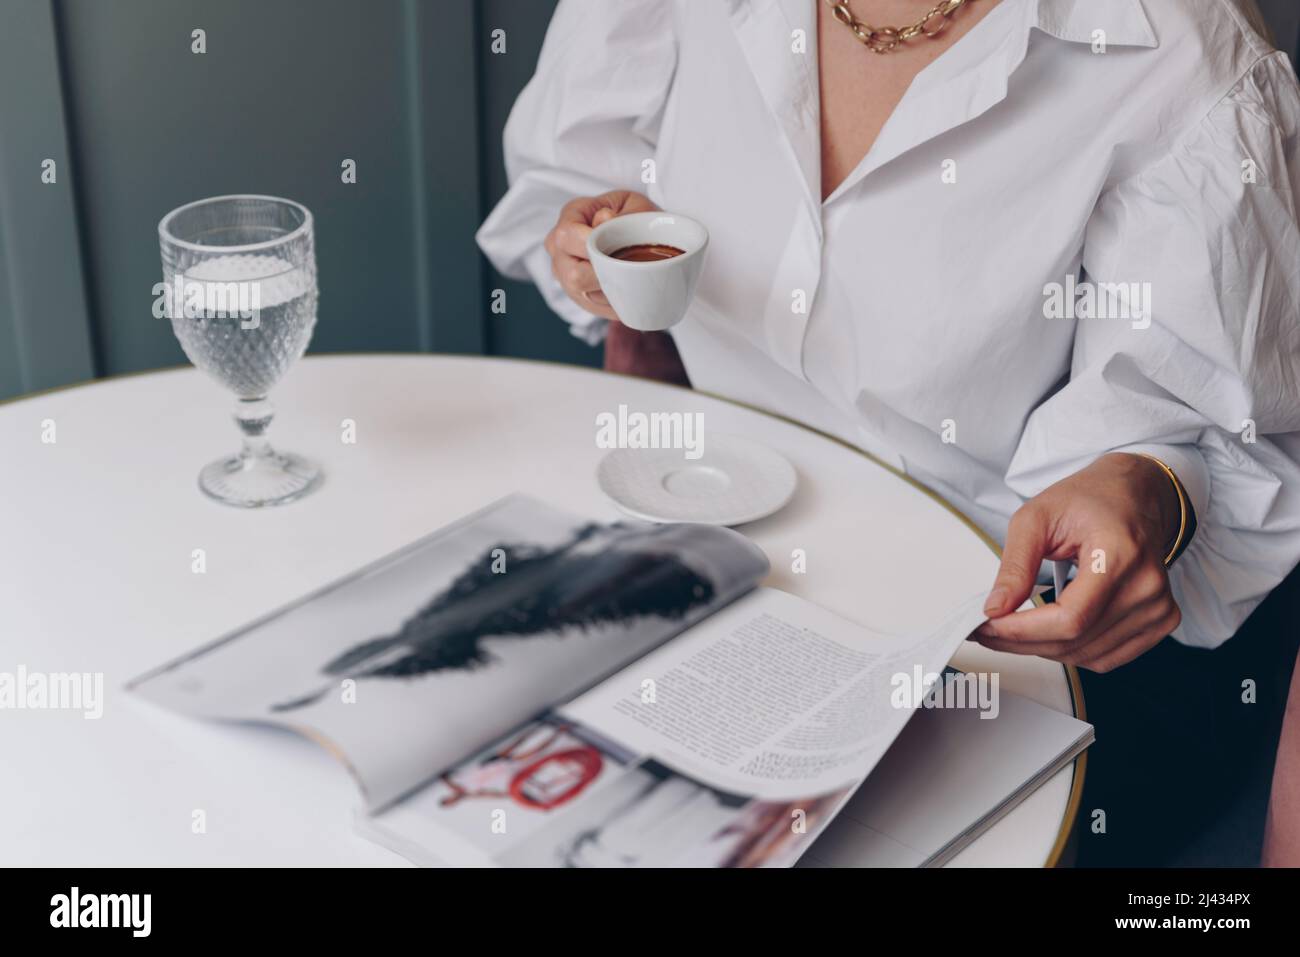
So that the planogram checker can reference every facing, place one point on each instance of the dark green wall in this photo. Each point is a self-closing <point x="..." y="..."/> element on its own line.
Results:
<point x="45" y="334"/>
<point x="287" y="89"/>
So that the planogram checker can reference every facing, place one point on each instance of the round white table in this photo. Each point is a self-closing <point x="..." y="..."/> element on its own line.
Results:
<point x="101" y="529"/>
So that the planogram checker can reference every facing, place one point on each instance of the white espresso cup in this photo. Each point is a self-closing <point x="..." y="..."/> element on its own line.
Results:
<point x="649" y="296"/>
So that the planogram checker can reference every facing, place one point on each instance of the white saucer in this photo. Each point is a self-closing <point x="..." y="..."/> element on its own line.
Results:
<point x="736" y="480"/>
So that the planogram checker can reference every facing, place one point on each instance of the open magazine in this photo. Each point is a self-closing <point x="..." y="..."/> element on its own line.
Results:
<point x="527" y="687"/>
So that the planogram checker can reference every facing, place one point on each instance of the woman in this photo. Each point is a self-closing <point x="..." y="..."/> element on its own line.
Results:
<point x="1041" y="254"/>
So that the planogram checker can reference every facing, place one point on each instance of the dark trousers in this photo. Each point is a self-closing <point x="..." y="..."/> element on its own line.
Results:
<point x="1183" y="762"/>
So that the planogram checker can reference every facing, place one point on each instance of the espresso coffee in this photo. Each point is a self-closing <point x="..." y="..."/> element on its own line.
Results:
<point x="646" y="253"/>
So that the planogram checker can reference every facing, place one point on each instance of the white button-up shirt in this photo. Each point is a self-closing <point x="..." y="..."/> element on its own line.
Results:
<point x="1076" y="234"/>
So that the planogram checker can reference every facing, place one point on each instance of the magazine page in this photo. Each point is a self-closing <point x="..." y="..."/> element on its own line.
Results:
<point x="732" y="746"/>
<point x="425" y="656"/>
<point x="775" y="696"/>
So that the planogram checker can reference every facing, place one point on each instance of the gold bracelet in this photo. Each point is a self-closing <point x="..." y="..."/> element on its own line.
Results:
<point x="1179" y="542"/>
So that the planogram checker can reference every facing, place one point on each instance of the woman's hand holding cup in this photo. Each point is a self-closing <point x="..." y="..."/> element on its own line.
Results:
<point x="567" y="244"/>
<point x="647" y="297"/>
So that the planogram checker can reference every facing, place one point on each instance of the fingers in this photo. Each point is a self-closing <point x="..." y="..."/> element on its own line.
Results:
<point x="576" y="275"/>
<point x="578" y="279"/>
<point x="1126" y="639"/>
<point x="580" y="216"/>
<point x="576" y="220"/>
<point x="620" y="202"/>
<point x="570" y="238"/>
<point x="580" y="210"/>
<point x="634" y="203"/>
<point x="1119" y="603"/>
<point x="1128" y="617"/>
<point x="566" y="244"/>
<point x="1127" y="650"/>
<point x="1021" y="558"/>
<point x="1067" y="650"/>
<point x="1074" y="615"/>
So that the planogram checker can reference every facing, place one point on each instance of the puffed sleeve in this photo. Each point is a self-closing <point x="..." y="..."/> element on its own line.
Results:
<point x="584" y="124"/>
<point x="1211" y="384"/>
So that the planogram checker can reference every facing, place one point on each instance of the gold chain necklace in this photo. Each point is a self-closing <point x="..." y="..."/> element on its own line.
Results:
<point x="885" y="39"/>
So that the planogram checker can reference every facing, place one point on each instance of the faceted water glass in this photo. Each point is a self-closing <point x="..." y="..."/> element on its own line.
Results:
<point x="240" y="276"/>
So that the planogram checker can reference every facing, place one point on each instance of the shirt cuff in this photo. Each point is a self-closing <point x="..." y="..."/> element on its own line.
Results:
<point x="1189" y="465"/>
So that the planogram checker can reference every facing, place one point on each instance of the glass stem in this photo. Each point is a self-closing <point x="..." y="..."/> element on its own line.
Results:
<point x="253" y="416"/>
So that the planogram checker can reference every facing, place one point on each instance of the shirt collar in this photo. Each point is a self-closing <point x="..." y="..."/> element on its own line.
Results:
<point x="789" y="82"/>
<point x="1117" y="22"/>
